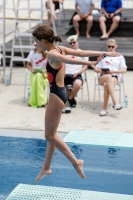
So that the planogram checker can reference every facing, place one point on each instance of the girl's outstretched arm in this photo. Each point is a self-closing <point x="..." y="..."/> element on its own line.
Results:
<point x="54" y="56"/>
<point x="88" y="53"/>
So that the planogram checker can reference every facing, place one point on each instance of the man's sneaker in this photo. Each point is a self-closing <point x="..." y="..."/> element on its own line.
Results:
<point x="72" y="102"/>
<point x="67" y="110"/>
<point x="117" y="106"/>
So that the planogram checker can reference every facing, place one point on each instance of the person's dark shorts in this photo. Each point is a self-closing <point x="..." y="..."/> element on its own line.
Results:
<point x="119" y="14"/>
<point x="115" y="76"/>
<point x="57" y="5"/>
<point x="69" y="81"/>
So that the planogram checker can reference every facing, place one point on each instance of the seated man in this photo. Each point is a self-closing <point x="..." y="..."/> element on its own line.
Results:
<point x="111" y="10"/>
<point x="73" y="72"/>
<point x="84" y="9"/>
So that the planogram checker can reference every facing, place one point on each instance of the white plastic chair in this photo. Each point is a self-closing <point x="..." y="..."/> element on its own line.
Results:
<point x="85" y="80"/>
<point x="27" y="83"/>
<point x="1" y="68"/>
<point x="99" y="87"/>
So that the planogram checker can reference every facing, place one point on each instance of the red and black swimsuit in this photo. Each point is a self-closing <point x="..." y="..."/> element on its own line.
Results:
<point x="59" y="91"/>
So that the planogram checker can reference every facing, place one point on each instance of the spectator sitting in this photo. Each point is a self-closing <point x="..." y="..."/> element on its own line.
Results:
<point x="112" y="11"/>
<point x="84" y="9"/>
<point x="55" y="6"/>
<point x="73" y="72"/>
<point x="36" y="63"/>
<point x="109" y="78"/>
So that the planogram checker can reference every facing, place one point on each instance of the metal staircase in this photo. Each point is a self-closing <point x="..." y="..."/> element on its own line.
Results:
<point x="4" y="34"/>
<point x="18" y="40"/>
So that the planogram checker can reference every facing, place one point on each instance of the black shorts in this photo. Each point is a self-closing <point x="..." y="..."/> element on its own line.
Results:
<point x="115" y="76"/>
<point x="57" y="5"/>
<point x="69" y="81"/>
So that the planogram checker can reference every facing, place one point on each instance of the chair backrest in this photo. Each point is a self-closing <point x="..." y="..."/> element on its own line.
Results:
<point x="84" y="76"/>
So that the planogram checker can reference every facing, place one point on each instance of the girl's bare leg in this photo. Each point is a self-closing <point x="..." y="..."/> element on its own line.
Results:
<point x="53" y="11"/>
<point x="52" y="119"/>
<point x="111" y="82"/>
<point x="49" y="14"/>
<point x="106" y="96"/>
<point x="49" y="19"/>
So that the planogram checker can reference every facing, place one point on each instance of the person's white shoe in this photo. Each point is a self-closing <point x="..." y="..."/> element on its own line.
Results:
<point x="103" y="113"/>
<point x="117" y="106"/>
<point x="67" y="110"/>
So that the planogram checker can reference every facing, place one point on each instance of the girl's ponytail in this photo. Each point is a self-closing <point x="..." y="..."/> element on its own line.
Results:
<point x="57" y="39"/>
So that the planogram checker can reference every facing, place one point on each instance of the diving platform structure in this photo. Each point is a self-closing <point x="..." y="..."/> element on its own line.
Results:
<point x="37" y="192"/>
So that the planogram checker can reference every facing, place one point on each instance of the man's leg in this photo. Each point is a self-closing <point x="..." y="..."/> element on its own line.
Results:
<point x="102" y="24"/>
<point x="114" y="25"/>
<point x="76" y="86"/>
<point x="76" y="19"/>
<point x="89" y="20"/>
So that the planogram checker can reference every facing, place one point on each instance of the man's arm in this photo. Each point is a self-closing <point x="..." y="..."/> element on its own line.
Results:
<point x="77" y="10"/>
<point x="119" y="10"/>
<point x="104" y="12"/>
<point x="84" y="68"/>
<point x="91" y="9"/>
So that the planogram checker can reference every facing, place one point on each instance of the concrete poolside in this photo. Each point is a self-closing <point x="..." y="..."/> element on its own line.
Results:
<point x="14" y="114"/>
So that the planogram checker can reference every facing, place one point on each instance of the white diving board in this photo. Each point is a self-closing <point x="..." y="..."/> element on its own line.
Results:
<point x="37" y="192"/>
<point x="103" y="138"/>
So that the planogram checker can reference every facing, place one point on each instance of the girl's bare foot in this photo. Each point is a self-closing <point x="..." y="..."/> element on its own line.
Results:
<point x="55" y="18"/>
<point x="42" y="174"/>
<point x="79" y="168"/>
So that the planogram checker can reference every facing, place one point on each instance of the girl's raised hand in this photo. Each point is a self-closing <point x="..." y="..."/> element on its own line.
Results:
<point x="94" y="63"/>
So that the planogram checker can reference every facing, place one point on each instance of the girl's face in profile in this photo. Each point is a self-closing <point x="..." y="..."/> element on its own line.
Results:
<point x="40" y="44"/>
<point x="111" y="46"/>
<point x="37" y="48"/>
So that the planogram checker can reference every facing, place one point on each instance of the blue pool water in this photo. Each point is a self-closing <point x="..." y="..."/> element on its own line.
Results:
<point x="107" y="169"/>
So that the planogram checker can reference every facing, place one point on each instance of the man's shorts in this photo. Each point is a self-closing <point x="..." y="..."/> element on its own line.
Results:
<point x="119" y="14"/>
<point x="69" y="81"/>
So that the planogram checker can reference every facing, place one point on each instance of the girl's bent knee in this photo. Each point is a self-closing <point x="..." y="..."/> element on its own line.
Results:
<point x="49" y="137"/>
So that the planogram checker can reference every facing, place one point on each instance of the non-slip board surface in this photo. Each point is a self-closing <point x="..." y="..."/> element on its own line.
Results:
<point x="100" y="138"/>
<point x="36" y="192"/>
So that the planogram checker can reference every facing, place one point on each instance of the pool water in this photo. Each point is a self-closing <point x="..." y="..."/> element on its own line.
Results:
<point x="107" y="169"/>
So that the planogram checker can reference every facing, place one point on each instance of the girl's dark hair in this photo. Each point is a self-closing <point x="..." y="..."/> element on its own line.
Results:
<point x="46" y="33"/>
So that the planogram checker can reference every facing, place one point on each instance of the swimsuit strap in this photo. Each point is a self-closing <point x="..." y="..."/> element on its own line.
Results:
<point x="58" y="49"/>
